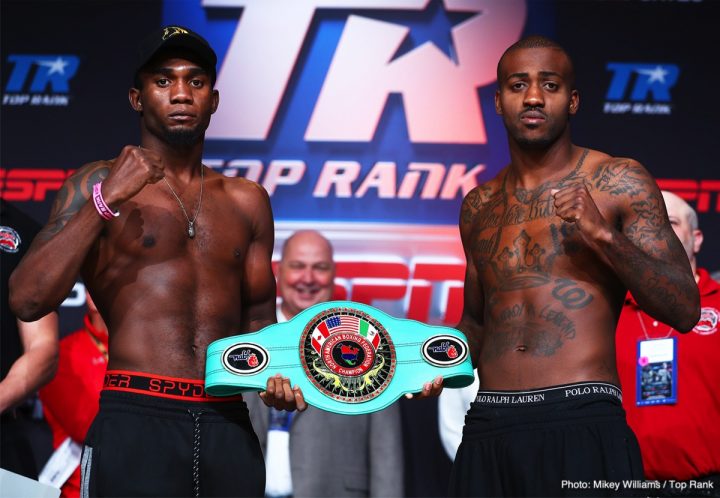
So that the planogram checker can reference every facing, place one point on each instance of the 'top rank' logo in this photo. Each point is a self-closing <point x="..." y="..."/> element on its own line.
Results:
<point x="33" y="75"/>
<point x="648" y="86"/>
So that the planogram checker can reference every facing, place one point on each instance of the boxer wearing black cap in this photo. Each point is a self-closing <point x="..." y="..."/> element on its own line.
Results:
<point x="176" y="256"/>
<point x="182" y="40"/>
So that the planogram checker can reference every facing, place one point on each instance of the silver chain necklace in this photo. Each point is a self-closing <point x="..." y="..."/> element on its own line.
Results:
<point x="655" y="323"/>
<point x="191" y="223"/>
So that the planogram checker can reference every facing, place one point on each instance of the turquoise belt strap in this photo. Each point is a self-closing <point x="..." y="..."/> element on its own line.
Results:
<point x="347" y="358"/>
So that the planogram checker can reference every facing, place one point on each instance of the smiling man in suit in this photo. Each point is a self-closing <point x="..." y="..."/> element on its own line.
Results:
<point x="318" y="453"/>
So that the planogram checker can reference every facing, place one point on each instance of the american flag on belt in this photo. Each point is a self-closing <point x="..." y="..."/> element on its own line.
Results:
<point x="347" y="324"/>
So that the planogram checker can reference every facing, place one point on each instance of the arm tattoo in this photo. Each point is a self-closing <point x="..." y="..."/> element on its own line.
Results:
<point x="619" y="178"/>
<point x="471" y="205"/>
<point x="70" y="198"/>
<point x="649" y="260"/>
<point x="648" y="230"/>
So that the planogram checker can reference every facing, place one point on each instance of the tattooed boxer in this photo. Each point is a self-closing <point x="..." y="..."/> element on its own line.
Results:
<point x="553" y="243"/>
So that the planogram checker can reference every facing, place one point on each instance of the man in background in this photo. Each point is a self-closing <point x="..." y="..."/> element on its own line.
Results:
<point x="317" y="453"/>
<point x="678" y="430"/>
<point x="29" y="352"/>
<point x="71" y="400"/>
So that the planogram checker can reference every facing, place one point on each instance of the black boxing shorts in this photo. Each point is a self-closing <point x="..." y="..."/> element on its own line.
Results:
<point x="569" y="440"/>
<point x="162" y="436"/>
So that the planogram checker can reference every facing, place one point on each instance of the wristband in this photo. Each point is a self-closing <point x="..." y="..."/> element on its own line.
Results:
<point x="102" y="208"/>
<point x="347" y="358"/>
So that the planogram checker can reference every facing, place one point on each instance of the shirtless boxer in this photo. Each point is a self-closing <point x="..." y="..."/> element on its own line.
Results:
<point x="553" y="243"/>
<point x="175" y="256"/>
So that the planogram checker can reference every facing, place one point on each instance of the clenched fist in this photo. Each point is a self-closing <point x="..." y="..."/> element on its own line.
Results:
<point x="574" y="204"/>
<point x="134" y="168"/>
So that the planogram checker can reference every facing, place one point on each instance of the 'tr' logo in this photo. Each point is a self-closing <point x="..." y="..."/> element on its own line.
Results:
<point x="643" y="80"/>
<point x="51" y="72"/>
<point x="439" y="94"/>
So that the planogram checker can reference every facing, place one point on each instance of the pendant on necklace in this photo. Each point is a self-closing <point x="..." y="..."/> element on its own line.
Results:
<point x="191" y="229"/>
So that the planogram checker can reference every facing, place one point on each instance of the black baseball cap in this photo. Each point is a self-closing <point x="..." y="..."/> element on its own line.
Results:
<point x="177" y="38"/>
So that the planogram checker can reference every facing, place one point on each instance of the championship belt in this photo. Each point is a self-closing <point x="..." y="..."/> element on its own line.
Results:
<point x="347" y="358"/>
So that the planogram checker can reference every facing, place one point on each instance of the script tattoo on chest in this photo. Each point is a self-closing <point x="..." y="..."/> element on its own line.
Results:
<point x="525" y="258"/>
<point x="516" y="242"/>
<point x="517" y="213"/>
<point x="542" y="328"/>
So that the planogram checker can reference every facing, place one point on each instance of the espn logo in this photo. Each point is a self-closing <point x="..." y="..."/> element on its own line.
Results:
<point x="31" y="184"/>
<point x="430" y="290"/>
<point x="701" y="192"/>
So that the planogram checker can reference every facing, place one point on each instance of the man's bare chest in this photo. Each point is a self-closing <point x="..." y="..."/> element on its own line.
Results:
<point x="162" y="231"/>
<point x="519" y="241"/>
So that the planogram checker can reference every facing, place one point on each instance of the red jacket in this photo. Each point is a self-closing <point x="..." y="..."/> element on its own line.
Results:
<point x="680" y="441"/>
<point x="71" y="400"/>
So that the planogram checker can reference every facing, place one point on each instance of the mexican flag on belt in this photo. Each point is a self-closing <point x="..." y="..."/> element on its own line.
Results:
<point x="344" y="324"/>
<point x="368" y="332"/>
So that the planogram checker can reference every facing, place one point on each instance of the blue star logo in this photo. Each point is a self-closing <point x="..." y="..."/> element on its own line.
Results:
<point x="56" y="66"/>
<point x="433" y="25"/>
<point x="656" y="74"/>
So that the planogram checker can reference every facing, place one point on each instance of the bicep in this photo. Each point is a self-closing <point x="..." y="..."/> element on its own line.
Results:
<point x="259" y="281"/>
<point x="473" y="296"/>
<point x="41" y="348"/>
<point x="41" y="335"/>
<point x="644" y="217"/>
<point x="72" y="196"/>
<point x="471" y="320"/>
<point x="473" y="299"/>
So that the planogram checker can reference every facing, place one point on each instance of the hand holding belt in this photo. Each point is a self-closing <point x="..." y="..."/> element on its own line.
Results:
<point x="347" y="357"/>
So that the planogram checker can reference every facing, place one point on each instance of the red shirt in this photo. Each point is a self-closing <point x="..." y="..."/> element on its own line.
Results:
<point x="71" y="400"/>
<point x="680" y="441"/>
